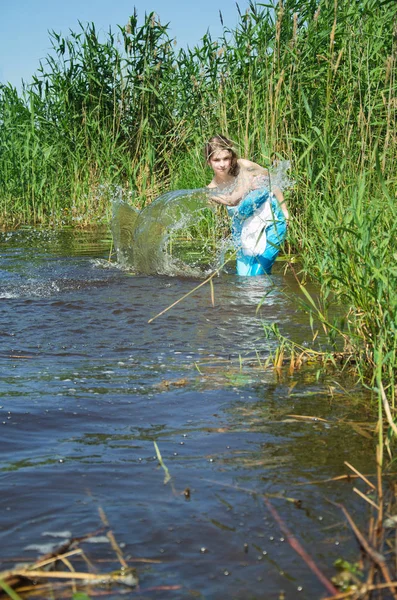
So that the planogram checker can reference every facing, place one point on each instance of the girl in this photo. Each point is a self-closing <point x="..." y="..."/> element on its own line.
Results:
<point x="259" y="215"/>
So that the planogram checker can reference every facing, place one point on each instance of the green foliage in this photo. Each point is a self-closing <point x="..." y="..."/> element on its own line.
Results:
<point x="313" y="81"/>
<point x="349" y="575"/>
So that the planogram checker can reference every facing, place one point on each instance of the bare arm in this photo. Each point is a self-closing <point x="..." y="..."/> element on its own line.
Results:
<point x="280" y="197"/>
<point x="252" y="168"/>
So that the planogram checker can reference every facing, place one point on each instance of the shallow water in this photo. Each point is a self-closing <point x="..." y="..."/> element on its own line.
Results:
<point x="87" y="386"/>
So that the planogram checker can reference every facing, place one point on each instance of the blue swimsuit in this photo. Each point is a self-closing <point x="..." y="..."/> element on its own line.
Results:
<point x="258" y="230"/>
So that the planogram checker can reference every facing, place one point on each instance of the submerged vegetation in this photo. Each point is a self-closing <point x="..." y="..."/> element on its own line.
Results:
<point x="313" y="81"/>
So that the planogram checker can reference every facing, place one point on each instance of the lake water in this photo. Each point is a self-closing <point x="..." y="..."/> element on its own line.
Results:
<point x="87" y="386"/>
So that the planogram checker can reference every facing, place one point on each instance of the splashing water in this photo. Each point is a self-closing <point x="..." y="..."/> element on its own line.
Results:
<point x="278" y="175"/>
<point x="178" y="233"/>
<point x="174" y="235"/>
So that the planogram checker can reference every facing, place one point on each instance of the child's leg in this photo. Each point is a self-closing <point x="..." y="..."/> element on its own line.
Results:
<point x="248" y="266"/>
<point x="275" y="235"/>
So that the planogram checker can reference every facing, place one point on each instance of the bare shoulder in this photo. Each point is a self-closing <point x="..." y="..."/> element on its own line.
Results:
<point x="254" y="168"/>
<point x="244" y="163"/>
<point x="212" y="185"/>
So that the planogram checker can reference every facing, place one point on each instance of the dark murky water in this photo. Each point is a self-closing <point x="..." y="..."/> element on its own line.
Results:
<point x="87" y="386"/>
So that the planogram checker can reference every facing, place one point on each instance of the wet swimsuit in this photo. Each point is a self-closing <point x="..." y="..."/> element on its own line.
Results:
<point x="258" y="230"/>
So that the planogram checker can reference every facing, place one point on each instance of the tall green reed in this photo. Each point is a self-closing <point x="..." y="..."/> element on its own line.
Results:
<point x="128" y="109"/>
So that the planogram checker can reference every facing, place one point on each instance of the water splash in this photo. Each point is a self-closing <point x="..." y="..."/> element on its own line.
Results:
<point x="174" y="235"/>
<point x="177" y="234"/>
<point x="278" y="176"/>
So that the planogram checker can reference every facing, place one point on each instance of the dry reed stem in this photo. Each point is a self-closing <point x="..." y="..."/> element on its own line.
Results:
<point x="363" y="590"/>
<point x="209" y="279"/>
<point x="69" y="565"/>
<point x="49" y="561"/>
<point x="364" y="497"/>
<point x="308" y="417"/>
<point x="374" y="542"/>
<point x="13" y="577"/>
<point x="112" y="539"/>
<point x="379" y="523"/>
<point x="377" y="558"/>
<point x="116" y="548"/>
<point x="59" y="575"/>
<point x="103" y="516"/>
<point x="371" y="485"/>
<point x="387" y="410"/>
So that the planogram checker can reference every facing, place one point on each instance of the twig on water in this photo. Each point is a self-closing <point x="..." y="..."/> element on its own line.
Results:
<point x="292" y="540"/>
<point x="112" y="539"/>
<point x="312" y="418"/>
<point x="296" y="545"/>
<point x="295" y="501"/>
<point x="364" y="497"/>
<point x="186" y="295"/>
<point x="347" y="477"/>
<point x="371" y="485"/>
<point x="208" y="280"/>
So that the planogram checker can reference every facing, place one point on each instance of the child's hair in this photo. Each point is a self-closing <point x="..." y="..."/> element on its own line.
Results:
<point x="220" y="142"/>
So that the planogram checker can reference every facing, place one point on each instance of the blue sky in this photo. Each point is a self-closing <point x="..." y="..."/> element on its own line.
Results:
<point x="24" y="25"/>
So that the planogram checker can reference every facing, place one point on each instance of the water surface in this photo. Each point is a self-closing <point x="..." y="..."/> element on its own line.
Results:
<point x="87" y="386"/>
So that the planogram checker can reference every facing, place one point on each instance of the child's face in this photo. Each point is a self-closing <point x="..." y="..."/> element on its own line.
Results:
<point x="220" y="162"/>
